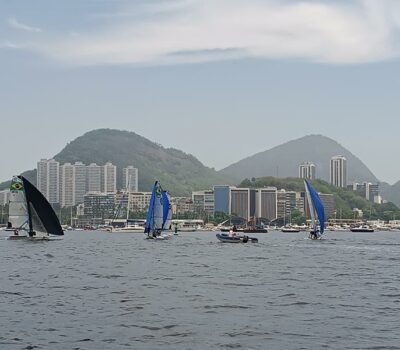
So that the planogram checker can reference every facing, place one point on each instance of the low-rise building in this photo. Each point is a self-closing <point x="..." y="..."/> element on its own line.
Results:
<point x="99" y="205"/>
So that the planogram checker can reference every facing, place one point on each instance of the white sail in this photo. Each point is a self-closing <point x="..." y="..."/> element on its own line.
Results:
<point x="17" y="212"/>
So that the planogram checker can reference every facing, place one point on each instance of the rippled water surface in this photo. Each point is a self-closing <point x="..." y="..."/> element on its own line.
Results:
<point x="95" y="290"/>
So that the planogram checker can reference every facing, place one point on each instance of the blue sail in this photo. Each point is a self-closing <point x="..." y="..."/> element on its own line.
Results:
<point x="317" y="205"/>
<point x="167" y="211"/>
<point x="154" y="220"/>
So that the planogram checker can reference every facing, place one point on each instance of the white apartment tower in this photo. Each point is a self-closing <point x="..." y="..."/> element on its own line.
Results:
<point x="48" y="179"/>
<point x="67" y="185"/>
<point x="80" y="182"/>
<point x="109" y="178"/>
<point x="130" y="176"/>
<point x="338" y="171"/>
<point x="307" y="171"/>
<point x="93" y="179"/>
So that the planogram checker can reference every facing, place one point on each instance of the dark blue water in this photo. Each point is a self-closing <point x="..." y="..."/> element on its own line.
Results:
<point x="96" y="290"/>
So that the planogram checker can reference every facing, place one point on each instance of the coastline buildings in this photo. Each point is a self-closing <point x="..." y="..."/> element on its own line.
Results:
<point x="338" y="171"/>
<point x="93" y="180"/>
<point x="4" y="197"/>
<point x="367" y="190"/>
<point x="109" y="178"/>
<point x="72" y="184"/>
<point x="203" y="202"/>
<point x="98" y="205"/>
<point x="246" y="202"/>
<point x="286" y="204"/>
<point x="266" y="206"/>
<point x="130" y="176"/>
<point x="139" y="201"/>
<point x="68" y="183"/>
<point x="265" y="203"/>
<point x="48" y="179"/>
<point x="307" y="171"/>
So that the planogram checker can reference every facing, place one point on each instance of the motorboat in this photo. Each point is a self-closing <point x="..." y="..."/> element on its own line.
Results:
<point x="290" y="229"/>
<point x="363" y="228"/>
<point x="227" y="238"/>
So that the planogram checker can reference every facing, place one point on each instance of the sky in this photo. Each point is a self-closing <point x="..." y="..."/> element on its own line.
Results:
<point x="220" y="79"/>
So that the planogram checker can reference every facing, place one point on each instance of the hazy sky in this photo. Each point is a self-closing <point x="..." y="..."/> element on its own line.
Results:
<point x="221" y="79"/>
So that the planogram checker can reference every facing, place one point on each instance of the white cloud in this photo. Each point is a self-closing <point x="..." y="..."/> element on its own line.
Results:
<point x="8" y="45"/>
<point x="14" y="23"/>
<point x="185" y="31"/>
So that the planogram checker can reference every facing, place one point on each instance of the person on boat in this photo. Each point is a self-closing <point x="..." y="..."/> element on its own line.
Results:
<point x="232" y="233"/>
<point x="313" y="235"/>
<point x="234" y="228"/>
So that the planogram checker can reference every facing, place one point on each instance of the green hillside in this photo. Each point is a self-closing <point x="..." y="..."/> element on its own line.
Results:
<point x="345" y="200"/>
<point x="179" y="172"/>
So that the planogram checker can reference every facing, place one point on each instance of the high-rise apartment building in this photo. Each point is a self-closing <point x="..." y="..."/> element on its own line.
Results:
<point x="72" y="184"/>
<point x="109" y="178"/>
<point x="240" y="202"/>
<point x="338" y="171"/>
<point x="307" y="171"/>
<point x="80" y="174"/>
<point x="48" y="179"/>
<point x="266" y="203"/>
<point x="130" y="177"/>
<point x="93" y="178"/>
<point x="286" y="204"/>
<point x="67" y="185"/>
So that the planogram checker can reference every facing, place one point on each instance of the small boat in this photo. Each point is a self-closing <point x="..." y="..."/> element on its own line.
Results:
<point x="128" y="229"/>
<point x="226" y="238"/>
<point x="317" y="211"/>
<point x="30" y="214"/>
<point x="159" y="215"/>
<point x="364" y="228"/>
<point x="290" y="229"/>
<point x="255" y="230"/>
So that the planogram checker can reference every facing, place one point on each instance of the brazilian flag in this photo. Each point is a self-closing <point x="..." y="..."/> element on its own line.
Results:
<point x="16" y="185"/>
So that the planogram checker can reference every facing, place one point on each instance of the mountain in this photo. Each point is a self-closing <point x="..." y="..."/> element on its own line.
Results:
<point x="179" y="172"/>
<point x="391" y="193"/>
<point x="284" y="160"/>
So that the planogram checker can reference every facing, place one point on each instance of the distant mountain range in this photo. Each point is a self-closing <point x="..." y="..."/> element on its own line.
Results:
<point x="181" y="173"/>
<point x="284" y="160"/>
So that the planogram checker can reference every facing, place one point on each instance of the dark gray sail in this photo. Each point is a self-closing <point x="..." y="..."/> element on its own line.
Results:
<point x="42" y="217"/>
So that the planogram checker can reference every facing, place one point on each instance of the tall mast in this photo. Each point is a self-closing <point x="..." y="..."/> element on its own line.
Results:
<point x="31" y="232"/>
<point x="129" y="195"/>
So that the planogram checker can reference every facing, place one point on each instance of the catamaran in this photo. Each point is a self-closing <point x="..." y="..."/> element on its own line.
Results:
<point x="30" y="214"/>
<point x="317" y="211"/>
<point x="159" y="214"/>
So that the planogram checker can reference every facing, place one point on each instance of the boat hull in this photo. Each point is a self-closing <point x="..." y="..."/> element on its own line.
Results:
<point x="26" y="238"/>
<point x="255" y="230"/>
<point x="365" y="230"/>
<point x="224" y="238"/>
<point x="290" y="230"/>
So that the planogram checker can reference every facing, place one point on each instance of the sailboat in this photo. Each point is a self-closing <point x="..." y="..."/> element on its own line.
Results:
<point x="317" y="211"/>
<point x="159" y="214"/>
<point x="30" y="214"/>
<point x="129" y="227"/>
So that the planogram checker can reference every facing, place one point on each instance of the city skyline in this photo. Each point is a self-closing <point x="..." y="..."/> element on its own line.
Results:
<point x="340" y="85"/>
